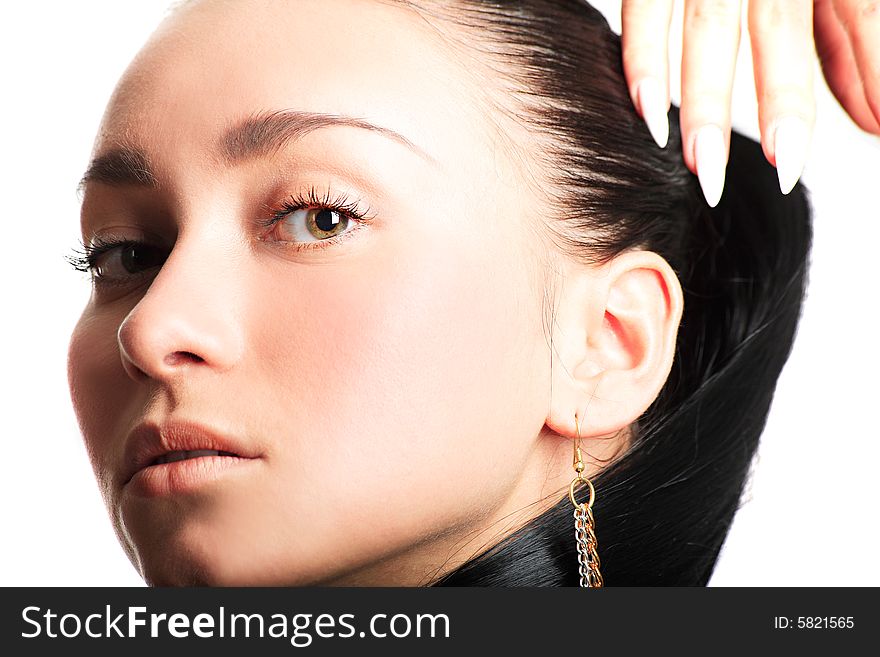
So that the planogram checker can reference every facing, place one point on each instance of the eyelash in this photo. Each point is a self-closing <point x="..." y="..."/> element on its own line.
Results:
<point x="340" y="204"/>
<point x="85" y="256"/>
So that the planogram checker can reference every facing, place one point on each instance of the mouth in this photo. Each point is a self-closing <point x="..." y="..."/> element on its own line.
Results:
<point x="179" y="455"/>
<point x="182" y="455"/>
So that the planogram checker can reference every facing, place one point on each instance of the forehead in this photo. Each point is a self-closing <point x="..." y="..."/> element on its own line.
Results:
<point x="215" y="63"/>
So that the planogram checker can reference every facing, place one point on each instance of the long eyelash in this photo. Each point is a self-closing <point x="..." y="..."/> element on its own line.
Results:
<point x="84" y="257"/>
<point x="340" y="203"/>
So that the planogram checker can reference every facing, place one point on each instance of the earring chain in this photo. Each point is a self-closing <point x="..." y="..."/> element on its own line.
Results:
<point x="584" y="532"/>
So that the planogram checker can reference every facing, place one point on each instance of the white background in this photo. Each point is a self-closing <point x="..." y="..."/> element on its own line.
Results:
<point x="809" y="517"/>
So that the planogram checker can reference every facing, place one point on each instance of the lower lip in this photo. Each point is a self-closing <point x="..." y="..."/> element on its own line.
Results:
<point x="187" y="475"/>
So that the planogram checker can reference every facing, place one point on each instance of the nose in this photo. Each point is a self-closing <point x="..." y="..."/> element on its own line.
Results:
<point x="188" y="317"/>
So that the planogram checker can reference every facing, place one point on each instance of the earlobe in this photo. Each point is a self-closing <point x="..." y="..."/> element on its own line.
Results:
<point x="620" y="324"/>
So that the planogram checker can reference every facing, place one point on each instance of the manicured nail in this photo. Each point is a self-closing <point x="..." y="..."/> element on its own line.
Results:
<point x="652" y="100"/>
<point x="711" y="165"/>
<point x="791" y="139"/>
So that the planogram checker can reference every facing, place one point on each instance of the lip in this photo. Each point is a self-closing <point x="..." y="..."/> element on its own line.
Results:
<point x="150" y="440"/>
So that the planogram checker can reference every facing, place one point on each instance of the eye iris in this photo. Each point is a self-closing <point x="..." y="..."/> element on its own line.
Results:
<point x="326" y="220"/>
<point x="135" y="258"/>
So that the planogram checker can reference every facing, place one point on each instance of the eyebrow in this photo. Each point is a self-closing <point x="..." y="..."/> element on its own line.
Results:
<point x="261" y="134"/>
<point x="121" y="166"/>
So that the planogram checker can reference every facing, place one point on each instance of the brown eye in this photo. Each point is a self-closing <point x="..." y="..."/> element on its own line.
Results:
<point x="312" y="224"/>
<point x="127" y="260"/>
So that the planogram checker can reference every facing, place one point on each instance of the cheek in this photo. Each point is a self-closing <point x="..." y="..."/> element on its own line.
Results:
<point x="408" y="366"/>
<point x="98" y="386"/>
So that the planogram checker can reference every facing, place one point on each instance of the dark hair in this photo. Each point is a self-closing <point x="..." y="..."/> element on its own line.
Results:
<point x="664" y="507"/>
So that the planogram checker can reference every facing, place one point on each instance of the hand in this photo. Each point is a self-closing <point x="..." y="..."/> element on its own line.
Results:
<point x="847" y="40"/>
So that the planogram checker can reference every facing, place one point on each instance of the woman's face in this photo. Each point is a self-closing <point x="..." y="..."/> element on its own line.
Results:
<point x="390" y="389"/>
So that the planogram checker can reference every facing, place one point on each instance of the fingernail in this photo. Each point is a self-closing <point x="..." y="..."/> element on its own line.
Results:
<point x="791" y="139"/>
<point x="652" y="100"/>
<point x="711" y="165"/>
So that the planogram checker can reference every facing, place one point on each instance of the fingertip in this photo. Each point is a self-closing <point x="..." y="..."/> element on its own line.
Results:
<point x="791" y="143"/>
<point x="654" y="110"/>
<point x="710" y="157"/>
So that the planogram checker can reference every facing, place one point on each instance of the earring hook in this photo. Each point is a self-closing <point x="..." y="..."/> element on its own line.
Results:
<point x="578" y="459"/>
<point x="579" y="468"/>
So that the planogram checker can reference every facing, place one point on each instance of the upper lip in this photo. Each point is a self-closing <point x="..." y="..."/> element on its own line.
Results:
<point x="150" y="440"/>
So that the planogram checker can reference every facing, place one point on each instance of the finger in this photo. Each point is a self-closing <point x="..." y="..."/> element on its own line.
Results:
<point x="861" y="22"/>
<point x="839" y="65"/>
<point x="645" y="43"/>
<point x="710" y="43"/>
<point x="782" y="50"/>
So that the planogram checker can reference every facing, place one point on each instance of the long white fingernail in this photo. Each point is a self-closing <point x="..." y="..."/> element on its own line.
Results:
<point x="791" y="140"/>
<point x="652" y="100"/>
<point x="711" y="165"/>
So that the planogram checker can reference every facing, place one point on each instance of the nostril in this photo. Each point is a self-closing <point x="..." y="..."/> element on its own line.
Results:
<point x="179" y="357"/>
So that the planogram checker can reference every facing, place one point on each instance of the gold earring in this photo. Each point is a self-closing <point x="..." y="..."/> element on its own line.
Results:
<point x="584" y="534"/>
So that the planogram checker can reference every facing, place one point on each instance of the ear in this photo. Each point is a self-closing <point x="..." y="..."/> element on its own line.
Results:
<point x="615" y="333"/>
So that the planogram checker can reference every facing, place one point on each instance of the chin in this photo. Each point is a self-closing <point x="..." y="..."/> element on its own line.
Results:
<point x="198" y="549"/>
<point x="177" y="570"/>
<point x="178" y="566"/>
